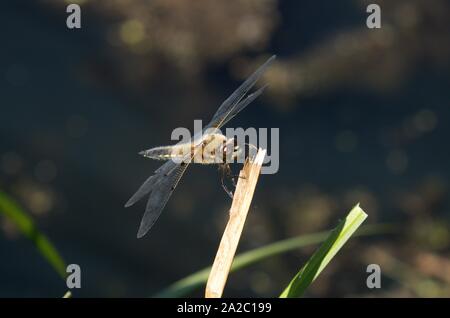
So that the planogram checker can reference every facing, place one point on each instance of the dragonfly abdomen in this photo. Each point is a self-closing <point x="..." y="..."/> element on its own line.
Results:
<point x="160" y="153"/>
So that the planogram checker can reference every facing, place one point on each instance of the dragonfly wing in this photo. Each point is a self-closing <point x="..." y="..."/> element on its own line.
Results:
<point x="160" y="186"/>
<point x="159" y="196"/>
<point x="242" y="104"/>
<point x="148" y="185"/>
<point x="219" y="118"/>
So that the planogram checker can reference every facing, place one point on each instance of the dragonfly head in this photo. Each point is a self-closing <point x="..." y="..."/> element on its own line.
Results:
<point x="231" y="149"/>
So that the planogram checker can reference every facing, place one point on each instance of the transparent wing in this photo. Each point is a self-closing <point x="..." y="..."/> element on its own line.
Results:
<point x="148" y="185"/>
<point x="160" y="194"/>
<point x="160" y="186"/>
<point x="229" y="105"/>
<point x="241" y="105"/>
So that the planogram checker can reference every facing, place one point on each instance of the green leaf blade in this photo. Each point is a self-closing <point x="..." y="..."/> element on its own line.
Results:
<point x="190" y="283"/>
<point x="198" y="279"/>
<point x="25" y="224"/>
<point x="320" y="259"/>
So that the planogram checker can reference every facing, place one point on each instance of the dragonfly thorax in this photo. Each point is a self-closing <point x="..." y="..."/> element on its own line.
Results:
<point x="215" y="149"/>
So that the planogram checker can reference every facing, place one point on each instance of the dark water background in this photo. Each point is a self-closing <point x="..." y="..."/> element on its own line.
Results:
<point x="75" y="126"/>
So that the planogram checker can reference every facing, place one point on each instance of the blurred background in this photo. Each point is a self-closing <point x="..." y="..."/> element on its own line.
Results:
<point x="363" y="117"/>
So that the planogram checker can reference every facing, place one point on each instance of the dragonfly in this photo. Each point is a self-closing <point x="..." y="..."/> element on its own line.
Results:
<point x="209" y="147"/>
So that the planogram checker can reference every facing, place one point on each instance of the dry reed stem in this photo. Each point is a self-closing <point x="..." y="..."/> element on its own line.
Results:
<point x="242" y="198"/>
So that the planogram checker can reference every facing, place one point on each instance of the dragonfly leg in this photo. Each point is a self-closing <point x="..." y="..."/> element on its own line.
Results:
<point x="225" y="172"/>
<point x="230" y="174"/>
